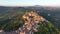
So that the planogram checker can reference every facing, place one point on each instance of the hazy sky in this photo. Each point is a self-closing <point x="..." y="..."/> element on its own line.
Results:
<point x="29" y="2"/>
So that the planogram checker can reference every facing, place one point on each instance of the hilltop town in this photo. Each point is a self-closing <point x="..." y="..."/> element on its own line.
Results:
<point x="31" y="20"/>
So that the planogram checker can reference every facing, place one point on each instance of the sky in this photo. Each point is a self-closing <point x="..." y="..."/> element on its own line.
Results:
<point x="29" y="2"/>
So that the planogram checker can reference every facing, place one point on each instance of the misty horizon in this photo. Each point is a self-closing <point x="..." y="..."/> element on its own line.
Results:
<point x="29" y="3"/>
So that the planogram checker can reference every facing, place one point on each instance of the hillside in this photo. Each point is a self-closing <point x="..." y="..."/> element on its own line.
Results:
<point x="10" y="19"/>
